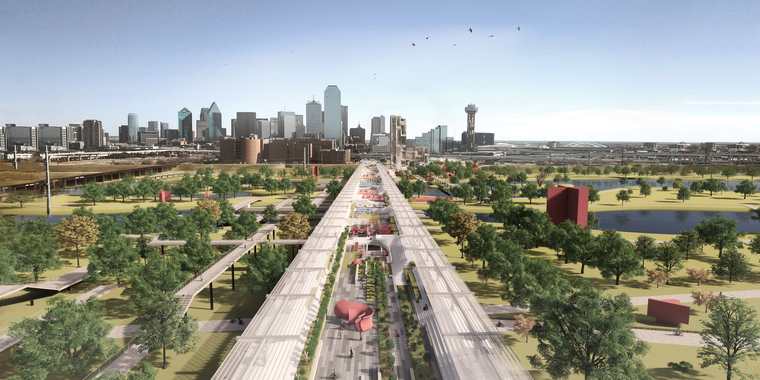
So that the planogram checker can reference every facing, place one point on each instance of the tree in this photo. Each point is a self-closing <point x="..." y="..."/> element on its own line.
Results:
<point x="304" y="206"/>
<point x="264" y="268"/>
<point x="419" y="187"/>
<point x="732" y="264"/>
<point x="94" y="192"/>
<point x="593" y="194"/>
<point x="746" y="187"/>
<point x="204" y="177"/>
<point x="113" y="256"/>
<point x="697" y="187"/>
<point x="668" y="258"/>
<point x="729" y="172"/>
<point x="688" y="241"/>
<point x="576" y="243"/>
<point x="615" y="257"/>
<point x="462" y="224"/>
<point x="20" y="197"/>
<point x="684" y="194"/>
<point x="699" y="275"/>
<point x="164" y="325"/>
<point x="148" y="187"/>
<point x="334" y="188"/>
<point x="702" y="298"/>
<point x="720" y="232"/>
<point x="236" y="185"/>
<point x="254" y="180"/>
<point x="270" y="213"/>
<point x="186" y="187"/>
<point x="441" y="210"/>
<point x="284" y="184"/>
<point x="36" y="248"/>
<point x="662" y="181"/>
<point x="623" y="196"/>
<point x="295" y="225"/>
<point x="540" y="178"/>
<point x="223" y="185"/>
<point x="227" y="212"/>
<point x="523" y="325"/>
<point x="267" y="172"/>
<point x="464" y="191"/>
<point x="585" y="332"/>
<point x="307" y="187"/>
<point x="657" y="276"/>
<point x="211" y="206"/>
<point x="730" y="336"/>
<point x="530" y="191"/>
<point x="347" y="173"/>
<point x="271" y="185"/>
<point x="243" y="227"/>
<point x="76" y="233"/>
<point x="406" y="188"/>
<point x="69" y="338"/>
<point x="645" y="248"/>
<point x="712" y="185"/>
<point x="161" y="274"/>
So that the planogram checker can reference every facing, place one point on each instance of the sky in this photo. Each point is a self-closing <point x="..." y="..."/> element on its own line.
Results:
<point x="578" y="70"/>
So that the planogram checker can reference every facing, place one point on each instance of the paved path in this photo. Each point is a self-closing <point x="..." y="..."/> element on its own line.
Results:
<point x="6" y="290"/>
<point x="400" y="348"/>
<point x="335" y="351"/>
<point x="245" y="203"/>
<point x="62" y="282"/>
<point x="203" y="327"/>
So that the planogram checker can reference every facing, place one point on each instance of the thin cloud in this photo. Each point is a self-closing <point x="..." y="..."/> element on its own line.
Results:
<point x="721" y="103"/>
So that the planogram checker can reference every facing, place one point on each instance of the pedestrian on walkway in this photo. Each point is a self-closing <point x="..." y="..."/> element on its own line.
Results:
<point x="201" y="278"/>
<point x="352" y="352"/>
<point x="361" y="336"/>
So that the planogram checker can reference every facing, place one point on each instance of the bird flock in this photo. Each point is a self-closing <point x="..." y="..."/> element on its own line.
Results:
<point x="470" y="30"/>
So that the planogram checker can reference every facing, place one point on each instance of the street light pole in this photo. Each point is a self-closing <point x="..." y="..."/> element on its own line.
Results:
<point x="47" y="178"/>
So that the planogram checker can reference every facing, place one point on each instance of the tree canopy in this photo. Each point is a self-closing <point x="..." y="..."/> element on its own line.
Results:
<point x="36" y="248"/>
<point x="730" y="336"/>
<point x="264" y="268"/>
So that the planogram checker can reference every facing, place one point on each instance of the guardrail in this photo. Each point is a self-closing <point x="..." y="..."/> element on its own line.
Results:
<point x="110" y="360"/>
<point x="669" y="329"/>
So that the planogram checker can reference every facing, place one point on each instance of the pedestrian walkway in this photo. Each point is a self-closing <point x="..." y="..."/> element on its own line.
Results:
<point x="57" y="284"/>
<point x="203" y="327"/>
<point x="245" y="203"/>
<point x="400" y="348"/>
<point x="7" y="341"/>
<point x="335" y="352"/>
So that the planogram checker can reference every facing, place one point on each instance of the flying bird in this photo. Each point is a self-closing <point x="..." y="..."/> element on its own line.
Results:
<point x="413" y="44"/>
<point x="491" y="35"/>
<point x="470" y="30"/>
<point x="455" y="44"/>
<point x="518" y="28"/>
<point x="427" y="38"/>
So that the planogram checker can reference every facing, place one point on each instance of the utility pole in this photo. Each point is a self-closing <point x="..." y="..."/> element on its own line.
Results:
<point x="304" y="158"/>
<point x="15" y="156"/>
<point x="47" y="177"/>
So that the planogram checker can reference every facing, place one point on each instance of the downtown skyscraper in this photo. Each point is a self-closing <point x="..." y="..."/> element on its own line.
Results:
<point x="333" y="113"/>
<point x="134" y="126"/>
<point x="314" y="118"/>
<point x="214" y="123"/>
<point x="185" y="125"/>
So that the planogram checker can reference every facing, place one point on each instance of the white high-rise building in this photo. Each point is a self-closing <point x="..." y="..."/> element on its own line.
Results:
<point x="378" y="124"/>
<point x="286" y="124"/>
<point x="333" y="113"/>
<point x="314" y="117"/>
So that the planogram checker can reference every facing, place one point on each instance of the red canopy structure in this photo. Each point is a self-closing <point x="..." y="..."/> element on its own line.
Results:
<point x="358" y="314"/>
<point x="356" y="262"/>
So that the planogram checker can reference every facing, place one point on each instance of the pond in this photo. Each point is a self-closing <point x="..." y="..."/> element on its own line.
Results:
<point x="668" y="221"/>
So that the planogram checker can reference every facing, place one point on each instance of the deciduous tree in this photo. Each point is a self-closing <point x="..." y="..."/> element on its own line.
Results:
<point x="113" y="256"/>
<point x="593" y="194"/>
<point x="699" y="274"/>
<point x="462" y="224"/>
<point x="523" y="325"/>
<point x="730" y="336"/>
<point x="264" y="268"/>
<point x="36" y="248"/>
<point x="688" y="241"/>
<point x="306" y="187"/>
<point x="94" y="192"/>
<point x="645" y="247"/>
<point x="294" y="225"/>
<point x="530" y="191"/>
<point x="746" y="187"/>
<point x="270" y="213"/>
<point x="720" y="232"/>
<point x="76" y="233"/>
<point x="244" y="226"/>
<point x="163" y="325"/>
<point x="702" y="298"/>
<point x="304" y="206"/>
<point x="657" y="276"/>
<point x="20" y="197"/>
<point x="623" y="197"/>
<point x="668" y="258"/>
<point x="615" y="257"/>
<point x="732" y="264"/>
<point x="684" y="194"/>
<point x="334" y="188"/>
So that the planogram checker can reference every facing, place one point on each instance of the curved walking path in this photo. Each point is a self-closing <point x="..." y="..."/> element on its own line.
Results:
<point x="203" y="327"/>
<point x="59" y="283"/>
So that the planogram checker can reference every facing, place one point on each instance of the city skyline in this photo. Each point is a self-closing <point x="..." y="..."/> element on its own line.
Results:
<point x="601" y="71"/>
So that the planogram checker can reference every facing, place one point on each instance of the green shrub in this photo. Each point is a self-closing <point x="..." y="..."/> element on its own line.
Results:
<point x="416" y="365"/>
<point x="389" y="344"/>
<point x="393" y="376"/>
<point x="413" y="347"/>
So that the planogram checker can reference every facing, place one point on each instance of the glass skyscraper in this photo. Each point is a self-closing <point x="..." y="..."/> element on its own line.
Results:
<point x="314" y="117"/>
<point x="333" y="113"/>
<point x="134" y="126"/>
<point x="215" y="131"/>
<point x="185" y="124"/>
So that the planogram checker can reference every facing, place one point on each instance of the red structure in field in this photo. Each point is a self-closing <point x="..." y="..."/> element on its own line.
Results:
<point x="358" y="314"/>
<point x="668" y="311"/>
<point x="165" y="196"/>
<point x="563" y="203"/>
<point x="356" y="262"/>
<point x="315" y="171"/>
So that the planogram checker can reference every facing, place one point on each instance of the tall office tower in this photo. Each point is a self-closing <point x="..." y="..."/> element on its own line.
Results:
<point x="24" y="137"/>
<point x="274" y="130"/>
<point x="300" y="127"/>
<point x="344" y="123"/>
<point x="314" y="117"/>
<point x="92" y="131"/>
<point x="215" y="130"/>
<point x="438" y="142"/>
<point x="124" y="134"/>
<point x="185" y="124"/>
<point x="471" y="110"/>
<point x="152" y="126"/>
<point x="204" y="114"/>
<point x="233" y="127"/>
<point x="74" y="132"/>
<point x="2" y="138"/>
<point x="333" y="113"/>
<point x="378" y="124"/>
<point x="263" y="127"/>
<point x="134" y="124"/>
<point x="201" y="130"/>
<point x="286" y="124"/>
<point x="247" y="125"/>
<point x="398" y="140"/>
<point x="164" y="129"/>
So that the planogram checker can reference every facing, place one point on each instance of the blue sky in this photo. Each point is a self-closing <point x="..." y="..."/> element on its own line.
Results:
<point x="606" y="70"/>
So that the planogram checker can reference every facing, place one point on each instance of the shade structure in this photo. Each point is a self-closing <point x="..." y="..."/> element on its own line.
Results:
<point x="358" y="314"/>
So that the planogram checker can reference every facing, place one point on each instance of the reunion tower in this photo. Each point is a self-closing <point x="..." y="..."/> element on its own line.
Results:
<point x="471" y="110"/>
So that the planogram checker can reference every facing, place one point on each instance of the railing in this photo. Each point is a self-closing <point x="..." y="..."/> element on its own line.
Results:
<point x="16" y="283"/>
<point x="110" y="360"/>
<point x="671" y="329"/>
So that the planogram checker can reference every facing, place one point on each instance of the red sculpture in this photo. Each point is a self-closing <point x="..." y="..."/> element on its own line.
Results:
<point x="356" y="262"/>
<point x="563" y="203"/>
<point x="165" y="196"/>
<point x="668" y="311"/>
<point x="358" y="314"/>
<point x="315" y="171"/>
